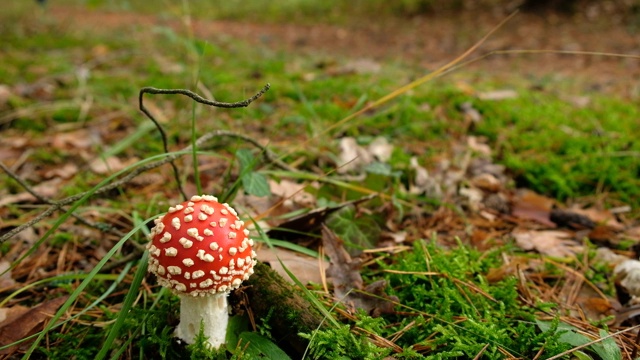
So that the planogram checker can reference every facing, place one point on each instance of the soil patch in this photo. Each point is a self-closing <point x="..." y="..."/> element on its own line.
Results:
<point x="428" y="41"/>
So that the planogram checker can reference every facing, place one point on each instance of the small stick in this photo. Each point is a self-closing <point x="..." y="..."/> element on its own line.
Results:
<point x="57" y="205"/>
<point x="44" y="199"/>
<point x="197" y="98"/>
<point x="635" y="347"/>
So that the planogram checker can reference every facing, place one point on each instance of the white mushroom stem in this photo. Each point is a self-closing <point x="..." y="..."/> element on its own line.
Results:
<point x="210" y="310"/>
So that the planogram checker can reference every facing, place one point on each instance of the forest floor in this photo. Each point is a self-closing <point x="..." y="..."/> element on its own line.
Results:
<point x="525" y="155"/>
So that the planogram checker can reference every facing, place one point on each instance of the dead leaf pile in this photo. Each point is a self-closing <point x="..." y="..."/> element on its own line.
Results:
<point x="348" y="286"/>
<point x="19" y="322"/>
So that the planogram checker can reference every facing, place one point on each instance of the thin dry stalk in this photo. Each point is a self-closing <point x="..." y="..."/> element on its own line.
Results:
<point x="481" y="352"/>
<point x="58" y="205"/>
<point x="197" y="98"/>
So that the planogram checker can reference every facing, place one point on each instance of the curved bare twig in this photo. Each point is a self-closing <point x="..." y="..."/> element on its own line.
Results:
<point x="197" y="98"/>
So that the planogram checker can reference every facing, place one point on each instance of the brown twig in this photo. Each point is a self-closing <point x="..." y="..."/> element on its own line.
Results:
<point x="58" y="205"/>
<point x="46" y="200"/>
<point x="636" y="343"/>
<point x="197" y="98"/>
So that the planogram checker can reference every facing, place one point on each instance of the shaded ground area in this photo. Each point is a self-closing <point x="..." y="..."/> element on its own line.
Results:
<point x="432" y="41"/>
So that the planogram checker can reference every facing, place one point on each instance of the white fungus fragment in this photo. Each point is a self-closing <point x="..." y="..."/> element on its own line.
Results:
<point x="197" y="274"/>
<point x="196" y="198"/>
<point x="171" y="251"/>
<point x="187" y="275"/>
<point x="210" y="198"/>
<point x="223" y="222"/>
<point x="166" y="237"/>
<point x="230" y="209"/>
<point x="188" y="218"/>
<point x="236" y="282"/>
<point x="214" y="246"/>
<point x="246" y="232"/>
<point x="193" y="232"/>
<point x="202" y="216"/>
<point x="172" y="210"/>
<point x="161" y="270"/>
<point x="175" y="222"/>
<point x="207" y="258"/>
<point x="213" y="224"/>
<point x="232" y="250"/>
<point x="189" y="210"/>
<point x="186" y="243"/>
<point x="188" y="262"/>
<point x="207" y="232"/>
<point x="180" y="287"/>
<point x="174" y="270"/>
<point x="232" y="235"/>
<point x="207" y="209"/>
<point x="223" y="270"/>
<point x="159" y="228"/>
<point x="206" y="283"/>
<point x="240" y="262"/>
<point x="224" y="211"/>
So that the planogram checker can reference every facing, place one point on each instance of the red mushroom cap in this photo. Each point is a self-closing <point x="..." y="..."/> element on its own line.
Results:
<point x="200" y="247"/>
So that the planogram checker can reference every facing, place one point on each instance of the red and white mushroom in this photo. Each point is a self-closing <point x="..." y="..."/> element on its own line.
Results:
<point x="201" y="250"/>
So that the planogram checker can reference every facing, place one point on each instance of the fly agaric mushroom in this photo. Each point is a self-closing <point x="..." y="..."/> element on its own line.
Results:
<point x="201" y="250"/>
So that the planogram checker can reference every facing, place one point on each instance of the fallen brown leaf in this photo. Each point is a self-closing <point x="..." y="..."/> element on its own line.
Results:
<point x="27" y="323"/>
<point x="66" y="171"/>
<point x="528" y="205"/>
<point x="602" y="233"/>
<point x="352" y="156"/>
<point x="8" y="315"/>
<point x="548" y="242"/>
<point x="306" y="268"/>
<point x="602" y="217"/>
<point x="344" y="271"/>
<point x="348" y="286"/>
<point x="48" y="189"/>
<point x="108" y="165"/>
<point x="294" y="228"/>
<point x="74" y="140"/>
<point x="5" y="278"/>
<point x="292" y="192"/>
<point x="498" y="95"/>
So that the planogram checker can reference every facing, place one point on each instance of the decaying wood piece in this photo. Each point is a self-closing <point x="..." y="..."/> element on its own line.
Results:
<point x="287" y="312"/>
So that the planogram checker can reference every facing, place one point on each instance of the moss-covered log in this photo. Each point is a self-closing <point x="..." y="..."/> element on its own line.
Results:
<point x="286" y="310"/>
